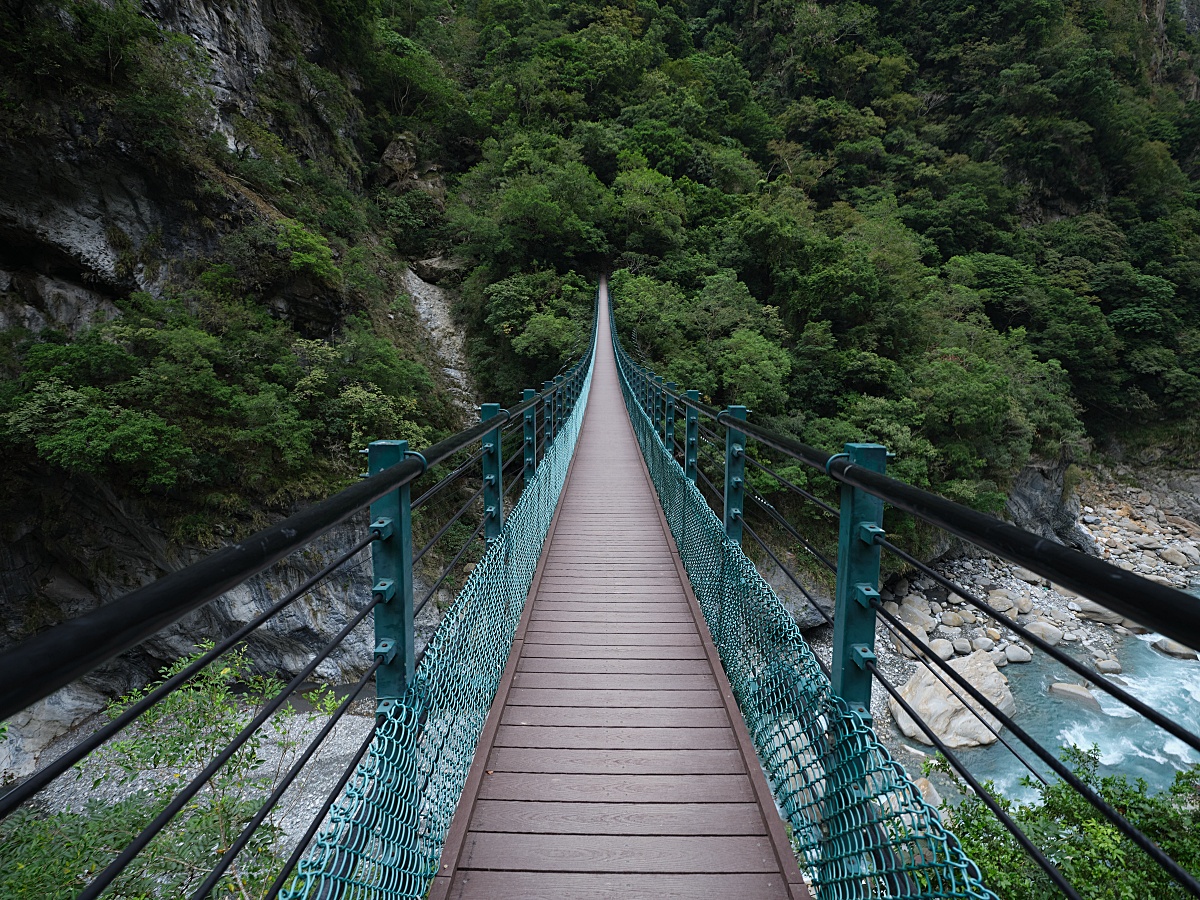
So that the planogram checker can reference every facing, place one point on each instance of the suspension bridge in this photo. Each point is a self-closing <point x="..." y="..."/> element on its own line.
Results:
<point x="616" y="704"/>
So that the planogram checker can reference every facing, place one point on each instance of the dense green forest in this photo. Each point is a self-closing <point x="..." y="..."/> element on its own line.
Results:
<point x="969" y="232"/>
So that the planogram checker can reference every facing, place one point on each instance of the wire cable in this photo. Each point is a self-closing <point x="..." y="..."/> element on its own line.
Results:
<point x="433" y="590"/>
<point x="775" y="516"/>
<point x="437" y="537"/>
<point x="1070" y="662"/>
<point x="180" y="800"/>
<point x="1123" y="825"/>
<point x="988" y="800"/>
<point x="248" y="831"/>
<point x="43" y="777"/>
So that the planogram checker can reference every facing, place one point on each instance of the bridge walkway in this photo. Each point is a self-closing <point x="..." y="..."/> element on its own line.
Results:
<point x="614" y="762"/>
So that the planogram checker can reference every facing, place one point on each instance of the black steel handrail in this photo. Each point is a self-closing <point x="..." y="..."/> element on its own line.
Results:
<point x="40" y="665"/>
<point x="1167" y="610"/>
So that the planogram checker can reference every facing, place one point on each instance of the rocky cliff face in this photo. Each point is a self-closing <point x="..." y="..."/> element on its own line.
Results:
<point x="86" y="219"/>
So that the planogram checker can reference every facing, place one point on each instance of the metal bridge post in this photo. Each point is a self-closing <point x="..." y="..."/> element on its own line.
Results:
<point x="735" y="475"/>
<point x="530" y="436"/>
<point x="391" y="561"/>
<point x="691" y="437"/>
<point x="669" y="423"/>
<point x="659" y="411"/>
<point x="493" y="487"/>
<point x="558" y="402"/>
<point x="857" y="584"/>
<point x="547" y="417"/>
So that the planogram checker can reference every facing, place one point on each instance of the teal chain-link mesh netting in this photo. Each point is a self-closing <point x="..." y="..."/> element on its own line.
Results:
<point x="383" y="839"/>
<point x="859" y="825"/>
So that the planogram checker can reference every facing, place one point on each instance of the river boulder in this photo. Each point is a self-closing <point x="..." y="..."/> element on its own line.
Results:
<point x="953" y="722"/>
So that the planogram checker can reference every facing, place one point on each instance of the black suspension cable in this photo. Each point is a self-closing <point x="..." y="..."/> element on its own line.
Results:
<point x="775" y="516"/>
<point x="988" y="800"/>
<point x="286" y="871"/>
<point x="269" y="804"/>
<point x="786" y="571"/>
<point x="1123" y="825"/>
<point x="807" y="495"/>
<point x="462" y="510"/>
<point x="459" y="555"/>
<point x="927" y="650"/>
<point x="180" y="800"/>
<point x="1053" y="652"/>
<point x="43" y="777"/>
<point x="449" y="479"/>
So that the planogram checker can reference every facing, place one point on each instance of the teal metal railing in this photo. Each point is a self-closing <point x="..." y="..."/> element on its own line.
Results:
<point x="859" y="826"/>
<point x="380" y="830"/>
<point x="811" y="722"/>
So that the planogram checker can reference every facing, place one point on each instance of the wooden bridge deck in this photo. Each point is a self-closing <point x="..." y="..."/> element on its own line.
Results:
<point x="614" y="762"/>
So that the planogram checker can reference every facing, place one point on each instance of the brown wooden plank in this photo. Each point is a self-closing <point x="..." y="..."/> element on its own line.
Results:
<point x="612" y="651"/>
<point x="616" y="762"/>
<point x="603" y="665"/>
<point x="610" y="616"/>
<point x="583" y="638"/>
<point x="617" y="788"/>
<point x="601" y="717"/>
<point x="615" y="738"/>
<point x="618" y="853"/>
<point x="615" y="681"/>
<point x="617" y="818"/>
<point x="477" y="884"/>
<point x="577" y="626"/>
<point x="618" y="699"/>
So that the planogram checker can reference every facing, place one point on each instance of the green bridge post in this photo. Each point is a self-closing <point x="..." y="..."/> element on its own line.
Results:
<point x="391" y="562"/>
<point x="857" y="583"/>
<point x="558" y="402"/>
<point x="669" y="424"/>
<point x="659" y="406"/>
<point x="547" y="417"/>
<point x="493" y="487"/>
<point x="691" y="437"/>
<point x="530" y="435"/>
<point x="735" y="475"/>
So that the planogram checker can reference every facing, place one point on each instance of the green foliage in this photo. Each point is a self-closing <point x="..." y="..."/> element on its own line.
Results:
<point x="50" y="856"/>
<point x="1091" y="853"/>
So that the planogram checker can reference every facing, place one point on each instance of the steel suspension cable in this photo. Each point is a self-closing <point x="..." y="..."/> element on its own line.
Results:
<point x="462" y="510"/>
<point x="286" y="871"/>
<point x="1127" y="828"/>
<point x="1070" y="662"/>
<point x="459" y="555"/>
<point x="43" y="777"/>
<point x="466" y="466"/>
<point x="807" y="495"/>
<point x="134" y="847"/>
<point x="259" y="817"/>
<point x="775" y="516"/>
<point x="988" y="800"/>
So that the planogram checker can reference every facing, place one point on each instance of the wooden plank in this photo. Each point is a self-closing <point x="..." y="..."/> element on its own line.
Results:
<point x="618" y="853"/>
<point x="680" y="614"/>
<point x="617" y="818"/>
<point x="618" y="699"/>
<point x="612" y="651"/>
<point x="615" y="762"/>
<point x="615" y="738"/>
<point x="602" y="665"/>
<point x="477" y="884"/>
<point x="617" y="788"/>
<point x="601" y="717"/>
<point x="583" y="638"/>
<point x="615" y="681"/>
<point x="578" y="626"/>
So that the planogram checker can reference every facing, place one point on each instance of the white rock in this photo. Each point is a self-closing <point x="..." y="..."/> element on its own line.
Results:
<point x="1089" y="609"/>
<point x="963" y="646"/>
<point x="1017" y="654"/>
<point x="1027" y="576"/>
<point x="1075" y="692"/>
<point x="902" y="644"/>
<point x="983" y="644"/>
<point x="1172" y="556"/>
<point x="1046" y="632"/>
<point x="945" y="713"/>
<point x="1000" y="601"/>
<point x="1174" y="648"/>
<point x="1108" y="667"/>
<point x="942" y="647"/>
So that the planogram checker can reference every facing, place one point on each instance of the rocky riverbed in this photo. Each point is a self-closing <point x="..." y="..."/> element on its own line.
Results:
<point x="1127" y="525"/>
